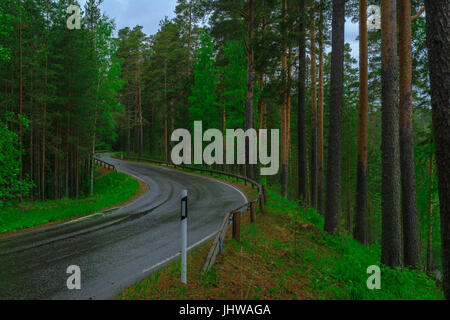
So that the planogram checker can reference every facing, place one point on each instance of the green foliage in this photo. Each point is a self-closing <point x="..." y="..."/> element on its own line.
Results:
<point x="110" y="189"/>
<point x="64" y="84"/>
<point x="11" y="186"/>
<point x="5" y="26"/>
<point x="234" y="83"/>
<point x="349" y="266"/>
<point x="203" y="101"/>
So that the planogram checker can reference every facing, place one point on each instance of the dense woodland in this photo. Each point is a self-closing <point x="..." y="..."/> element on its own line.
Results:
<point x="366" y="142"/>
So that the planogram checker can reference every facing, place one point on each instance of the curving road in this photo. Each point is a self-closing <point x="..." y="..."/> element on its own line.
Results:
<point x="119" y="247"/>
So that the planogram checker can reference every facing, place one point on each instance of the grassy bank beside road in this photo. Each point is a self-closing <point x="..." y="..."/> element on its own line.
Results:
<point x="285" y="255"/>
<point x="110" y="190"/>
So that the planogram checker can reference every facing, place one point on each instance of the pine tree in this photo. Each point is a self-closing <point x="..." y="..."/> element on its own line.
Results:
<point x="203" y="101"/>
<point x="312" y="53"/>
<point x="411" y="250"/>
<point x="360" y="231"/>
<point x="390" y="207"/>
<point x="332" y="208"/>
<point x="438" y="19"/>
<point x="301" y="103"/>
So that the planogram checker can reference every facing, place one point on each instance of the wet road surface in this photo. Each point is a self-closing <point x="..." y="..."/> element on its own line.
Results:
<point x="116" y="248"/>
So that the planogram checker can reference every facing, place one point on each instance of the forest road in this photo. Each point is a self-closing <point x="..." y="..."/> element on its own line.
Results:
<point x="115" y="249"/>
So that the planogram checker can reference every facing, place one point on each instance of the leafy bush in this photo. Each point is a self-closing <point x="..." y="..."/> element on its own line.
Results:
<point x="11" y="186"/>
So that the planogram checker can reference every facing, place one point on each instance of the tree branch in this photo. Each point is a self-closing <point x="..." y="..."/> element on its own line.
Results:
<point x="418" y="14"/>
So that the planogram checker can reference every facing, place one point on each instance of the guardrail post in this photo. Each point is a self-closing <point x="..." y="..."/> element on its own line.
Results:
<point x="261" y="203"/>
<point x="264" y="193"/>
<point x="184" y="216"/>
<point x="237" y="226"/>
<point x="252" y="212"/>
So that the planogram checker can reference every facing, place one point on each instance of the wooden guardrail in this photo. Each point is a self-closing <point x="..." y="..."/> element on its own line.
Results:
<point x="104" y="164"/>
<point x="233" y="217"/>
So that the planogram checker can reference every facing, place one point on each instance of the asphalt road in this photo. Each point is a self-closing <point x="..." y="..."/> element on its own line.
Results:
<point x="116" y="248"/>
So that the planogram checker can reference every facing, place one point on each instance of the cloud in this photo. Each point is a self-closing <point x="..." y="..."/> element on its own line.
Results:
<point x="351" y="36"/>
<point x="129" y="13"/>
<point x="148" y="13"/>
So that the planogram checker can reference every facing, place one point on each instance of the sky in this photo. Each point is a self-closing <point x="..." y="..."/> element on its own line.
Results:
<point x="148" y="13"/>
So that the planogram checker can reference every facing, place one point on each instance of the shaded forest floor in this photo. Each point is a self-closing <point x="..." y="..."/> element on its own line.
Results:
<point x="111" y="189"/>
<point x="284" y="255"/>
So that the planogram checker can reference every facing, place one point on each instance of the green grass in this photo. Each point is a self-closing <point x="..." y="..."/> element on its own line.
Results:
<point x="349" y="266"/>
<point x="110" y="189"/>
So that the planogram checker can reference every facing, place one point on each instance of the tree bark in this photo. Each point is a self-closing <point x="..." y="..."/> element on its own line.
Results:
<point x="188" y="65"/>
<point x="349" y="207"/>
<point x="166" y="124"/>
<point x="301" y="104"/>
<point x="288" y="98"/>
<point x="333" y="186"/>
<point x="249" y="168"/>
<point x="430" y="216"/>
<point x="68" y="111"/>
<point x="411" y="248"/>
<point x="438" y="40"/>
<point x="390" y="189"/>
<point x="360" y="231"/>
<point x="20" y="94"/>
<point x="312" y="52"/>
<point x="44" y="124"/>
<point x="284" y="151"/>
<point x="139" y="96"/>
<point x="320" y="141"/>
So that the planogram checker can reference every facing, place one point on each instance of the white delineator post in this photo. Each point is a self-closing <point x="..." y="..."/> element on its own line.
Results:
<point x="184" y="237"/>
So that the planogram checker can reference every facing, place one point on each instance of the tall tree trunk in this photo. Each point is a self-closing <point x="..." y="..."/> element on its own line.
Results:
<point x="312" y="52"/>
<point x="438" y="39"/>
<point x="188" y="65"/>
<point x="320" y="141"/>
<point x="261" y="84"/>
<point x="390" y="189"/>
<point x="250" y="86"/>
<point x="284" y="152"/>
<point x="128" y="146"/>
<point x="288" y="98"/>
<point x="360" y="231"/>
<point x="411" y="247"/>
<point x="92" y="166"/>
<point x="68" y="111"/>
<point x="333" y="186"/>
<point x="261" y="101"/>
<point x="301" y="104"/>
<point x="349" y="201"/>
<point x="430" y="216"/>
<point x="94" y="141"/>
<point x="20" y="94"/>
<point x="44" y="123"/>
<point x="77" y="171"/>
<point x="141" y="124"/>
<point x="224" y="138"/>
<point x="55" y="173"/>
<point x="31" y="153"/>
<point x="166" y="138"/>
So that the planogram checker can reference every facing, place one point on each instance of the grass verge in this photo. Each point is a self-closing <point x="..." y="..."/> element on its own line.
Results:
<point x="285" y="255"/>
<point x="111" y="189"/>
